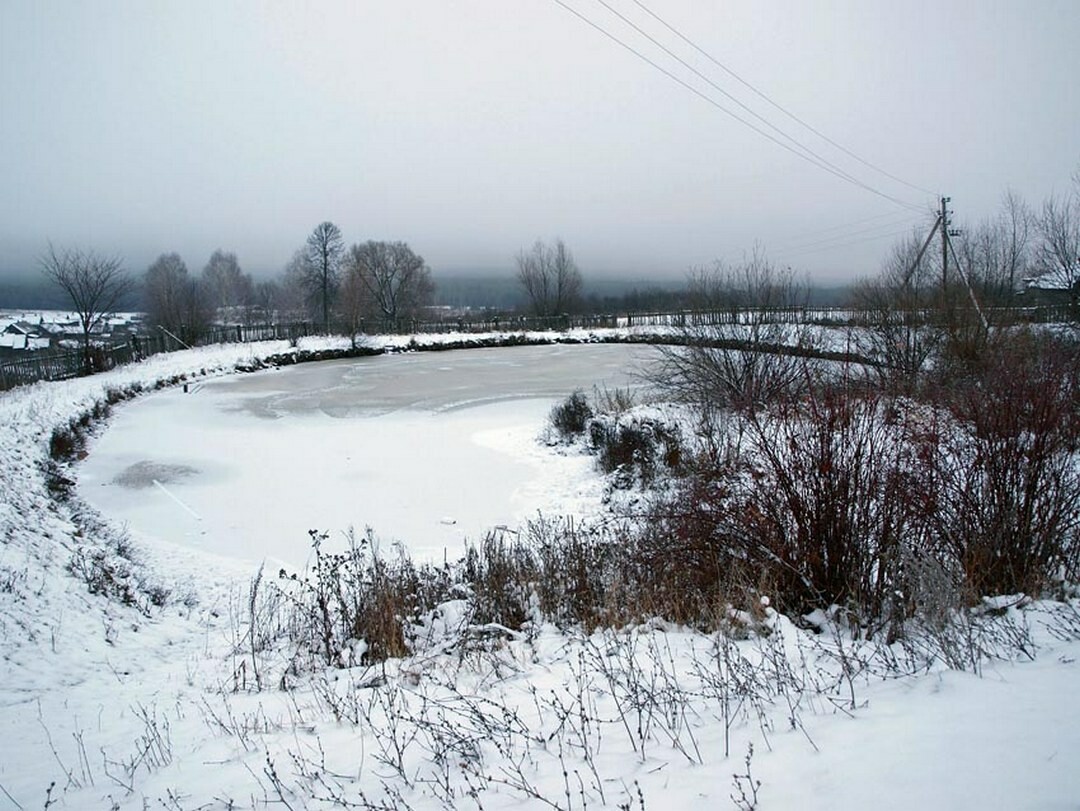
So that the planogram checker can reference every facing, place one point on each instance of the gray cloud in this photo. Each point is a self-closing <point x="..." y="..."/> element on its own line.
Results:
<point x="471" y="127"/>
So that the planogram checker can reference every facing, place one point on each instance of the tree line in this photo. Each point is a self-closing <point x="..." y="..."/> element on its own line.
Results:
<point x="370" y="285"/>
<point x="385" y="286"/>
<point x="366" y="287"/>
<point x="996" y="257"/>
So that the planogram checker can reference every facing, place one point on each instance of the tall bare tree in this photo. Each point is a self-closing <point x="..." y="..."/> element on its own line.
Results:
<point x="550" y="277"/>
<point x="268" y="299"/>
<point x="231" y="291"/>
<point x="318" y="266"/>
<point x="995" y="254"/>
<point x="1058" y="254"/>
<point x="298" y="299"/>
<point x="165" y="288"/>
<point x="95" y="284"/>
<point x="173" y="300"/>
<point x="389" y="281"/>
<point x="1014" y="228"/>
<point x="354" y="299"/>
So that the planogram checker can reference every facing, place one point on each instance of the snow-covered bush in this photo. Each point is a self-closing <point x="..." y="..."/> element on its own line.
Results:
<point x="570" y="417"/>
<point x="349" y="607"/>
<point x="635" y="444"/>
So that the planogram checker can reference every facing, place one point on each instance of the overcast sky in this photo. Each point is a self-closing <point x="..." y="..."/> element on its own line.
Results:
<point x="470" y="128"/>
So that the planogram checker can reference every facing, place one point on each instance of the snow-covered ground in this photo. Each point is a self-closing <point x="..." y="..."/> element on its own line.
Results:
<point x="108" y="706"/>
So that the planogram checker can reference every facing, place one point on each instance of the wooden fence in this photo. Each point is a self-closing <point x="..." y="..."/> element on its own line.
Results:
<point x="75" y="362"/>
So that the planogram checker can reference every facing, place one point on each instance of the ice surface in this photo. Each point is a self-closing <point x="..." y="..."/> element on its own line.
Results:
<point x="247" y="465"/>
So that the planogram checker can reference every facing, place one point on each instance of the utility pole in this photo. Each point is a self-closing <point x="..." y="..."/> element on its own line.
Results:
<point x="943" y="223"/>
<point x="926" y="244"/>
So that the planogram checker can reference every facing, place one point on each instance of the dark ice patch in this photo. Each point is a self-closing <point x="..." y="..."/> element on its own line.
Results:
<point x="145" y="473"/>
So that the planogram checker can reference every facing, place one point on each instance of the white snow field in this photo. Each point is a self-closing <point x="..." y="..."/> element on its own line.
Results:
<point x="106" y="706"/>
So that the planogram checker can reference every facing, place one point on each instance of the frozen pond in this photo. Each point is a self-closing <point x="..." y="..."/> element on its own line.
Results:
<point x="425" y="448"/>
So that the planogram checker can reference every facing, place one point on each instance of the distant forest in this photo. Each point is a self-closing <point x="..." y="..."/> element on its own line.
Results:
<point x="480" y="291"/>
<point x="504" y="292"/>
<point x="37" y="293"/>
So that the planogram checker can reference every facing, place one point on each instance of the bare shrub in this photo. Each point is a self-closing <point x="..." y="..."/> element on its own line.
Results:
<point x="1008" y="496"/>
<point x="570" y="417"/>
<point x="613" y="401"/>
<point x="636" y="446"/>
<point x="901" y="334"/>
<point x="742" y="349"/>
<point x="105" y="574"/>
<point x="352" y="606"/>
<point x="578" y="584"/>
<point x="500" y="572"/>
<point x="832" y="502"/>
<point x="812" y="499"/>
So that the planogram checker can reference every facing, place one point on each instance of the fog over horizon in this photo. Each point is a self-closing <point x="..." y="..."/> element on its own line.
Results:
<point x="471" y="128"/>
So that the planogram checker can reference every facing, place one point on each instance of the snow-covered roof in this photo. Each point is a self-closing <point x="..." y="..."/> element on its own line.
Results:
<point x="25" y="328"/>
<point x="1053" y="280"/>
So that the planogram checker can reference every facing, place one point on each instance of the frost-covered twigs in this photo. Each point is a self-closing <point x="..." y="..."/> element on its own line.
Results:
<point x="153" y="749"/>
<point x="745" y="795"/>
<point x="81" y="774"/>
<point x="446" y="730"/>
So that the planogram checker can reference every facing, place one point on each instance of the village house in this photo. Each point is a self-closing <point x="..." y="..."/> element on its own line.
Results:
<point x="24" y="336"/>
<point x="1051" y="289"/>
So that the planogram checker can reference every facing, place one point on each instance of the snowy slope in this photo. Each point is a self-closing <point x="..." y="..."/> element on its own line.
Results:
<point x="111" y="706"/>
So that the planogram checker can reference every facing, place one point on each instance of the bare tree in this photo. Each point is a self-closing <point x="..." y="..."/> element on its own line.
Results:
<point x="550" y="277"/>
<point x="317" y="266"/>
<point x="1058" y="254"/>
<point x="268" y="299"/>
<point x="1014" y="227"/>
<point x="709" y="288"/>
<point x="354" y="300"/>
<point x="165" y="284"/>
<point x="296" y="296"/>
<point x="900" y="333"/>
<point x="95" y="284"/>
<point x="742" y="351"/>
<point x="995" y="254"/>
<point x="388" y="282"/>
<point x="174" y="301"/>
<point x="230" y="290"/>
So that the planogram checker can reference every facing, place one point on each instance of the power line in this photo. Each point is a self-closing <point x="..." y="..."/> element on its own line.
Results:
<point x="844" y="244"/>
<point x="815" y="231"/>
<point x="812" y="239"/>
<point x="728" y="112"/>
<point x="764" y="96"/>
<point x="842" y="239"/>
<point x="798" y="144"/>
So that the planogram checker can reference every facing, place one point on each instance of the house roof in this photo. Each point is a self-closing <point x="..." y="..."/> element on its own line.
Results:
<point x="1053" y="280"/>
<point x="26" y="328"/>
